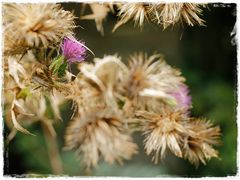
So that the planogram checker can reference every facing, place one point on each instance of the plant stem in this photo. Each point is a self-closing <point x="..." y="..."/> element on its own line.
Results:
<point x="52" y="148"/>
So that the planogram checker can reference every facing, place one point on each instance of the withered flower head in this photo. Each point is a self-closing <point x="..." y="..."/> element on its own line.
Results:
<point x="105" y="74"/>
<point x="151" y="73"/>
<point x="188" y="138"/>
<point x="150" y="78"/>
<point x="132" y="11"/>
<point x="164" y="14"/>
<point x="172" y="13"/>
<point x="198" y="145"/>
<point x="162" y="131"/>
<point x="99" y="14"/>
<point x="34" y="25"/>
<point x="84" y="93"/>
<point x="97" y="134"/>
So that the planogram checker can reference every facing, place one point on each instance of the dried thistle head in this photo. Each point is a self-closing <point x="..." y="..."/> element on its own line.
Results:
<point x="108" y="70"/>
<point x="99" y="133"/>
<point x="96" y="85"/>
<point x="151" y="73"/>
<point x="198" y="145"/>
<point x="162" y="131"/>
<point x="99" y="14"/>
<point x="34" y="25"/>
<point x="188" y="138"/>
<point x="13" y="46"/>
<point x="164" y="14"/>
<point x="106" y="74"/>
<point x="84" y="93"/>
<point x="149" y="79"/>
<point x="173" y="13"/>
<point x="132" y="11"/>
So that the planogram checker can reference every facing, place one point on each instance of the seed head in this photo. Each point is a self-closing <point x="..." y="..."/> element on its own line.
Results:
<point x="34" y="25"/>
<point x="198" y="145"/>
<point x="162" y="131"/>
<point x="97" y="134"/>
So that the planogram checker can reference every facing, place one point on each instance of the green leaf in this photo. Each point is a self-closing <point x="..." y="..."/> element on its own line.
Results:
<point x="55" y="61"/>
<point x="58" y="66"/>
<point x="61" y="70"/>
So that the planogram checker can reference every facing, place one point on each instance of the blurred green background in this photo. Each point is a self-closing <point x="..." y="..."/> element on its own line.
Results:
<point x="207" y="58"/>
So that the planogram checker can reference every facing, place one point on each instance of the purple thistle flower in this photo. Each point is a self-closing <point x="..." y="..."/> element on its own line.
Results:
<point x="182" y="97"/>
<point x="73" y="50"/>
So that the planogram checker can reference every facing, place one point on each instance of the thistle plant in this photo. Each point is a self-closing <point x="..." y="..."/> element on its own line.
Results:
<point x="111" y="100"/>
<point x="162" y="14"/>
